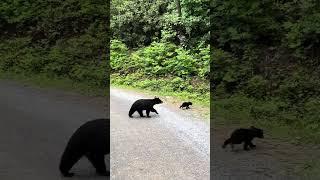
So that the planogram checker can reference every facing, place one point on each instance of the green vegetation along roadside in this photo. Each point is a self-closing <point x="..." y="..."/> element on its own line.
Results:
<point x="61" y="40"/>
<point x="44" y="81"/>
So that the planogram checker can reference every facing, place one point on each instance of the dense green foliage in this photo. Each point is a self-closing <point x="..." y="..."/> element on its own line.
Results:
<point x="58" y="38"/>
<point x="266" y="58"/>
<point x="138" y="23"/>
<point x="162" y="66"/>
<point x="161" y="45"/>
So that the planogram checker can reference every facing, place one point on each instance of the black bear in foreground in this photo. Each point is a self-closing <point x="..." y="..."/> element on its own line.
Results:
<point x="90" y="140"/>
<point x="244" y="135"/>
<point x="186" y="105"/>
<point x="144" y="104"/>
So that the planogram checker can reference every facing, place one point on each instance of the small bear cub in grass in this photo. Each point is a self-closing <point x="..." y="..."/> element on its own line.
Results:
<point x="244" y="135"/>
<point x="144" y="104"/>
<point x="186" y="105"/>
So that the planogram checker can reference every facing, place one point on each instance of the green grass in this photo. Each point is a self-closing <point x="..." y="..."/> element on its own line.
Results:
<point x="62" y="83"/>
<point x="311" y="169"/>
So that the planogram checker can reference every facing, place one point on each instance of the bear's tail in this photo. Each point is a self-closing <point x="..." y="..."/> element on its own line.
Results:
<point x="228" y="141"/>
<point x="131" y="111"/>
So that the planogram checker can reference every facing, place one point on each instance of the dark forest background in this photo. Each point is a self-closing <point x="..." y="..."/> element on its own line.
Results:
<point x="162" y="46"/>
<point x="64" y="39"/>
<point x="266" y="63"/>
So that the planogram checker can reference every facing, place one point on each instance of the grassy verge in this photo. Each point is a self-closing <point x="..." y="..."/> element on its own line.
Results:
<point x="164" y="87"/>
<point x="44" y="81"/>
<point x="311" y="169"/>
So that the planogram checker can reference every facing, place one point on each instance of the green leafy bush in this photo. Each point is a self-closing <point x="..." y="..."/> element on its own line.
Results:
<point x="61" y="39"/>
<point x="162" y="66"/>
<point x="257" y="87"/>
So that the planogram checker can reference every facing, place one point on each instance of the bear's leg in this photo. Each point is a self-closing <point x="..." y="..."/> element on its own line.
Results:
<point x="140" y="112"/>
<point x="252" y="145"/>
<point x="153" y="110"/>
<point x="67" y="161"/>
<point x="131" y="112"/>
<point x="148" y="112"/>
<point x="245" y="145"/>
<point x="97" y="161"/>
<point x="226" y="143"/>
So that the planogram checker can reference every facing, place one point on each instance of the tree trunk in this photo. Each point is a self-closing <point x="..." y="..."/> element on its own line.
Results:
<point x="178" y="8"/>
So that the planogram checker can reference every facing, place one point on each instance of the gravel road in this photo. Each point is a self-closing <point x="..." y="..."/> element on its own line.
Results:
<point x="171" y="145"/>
<point x="35" y="126"/>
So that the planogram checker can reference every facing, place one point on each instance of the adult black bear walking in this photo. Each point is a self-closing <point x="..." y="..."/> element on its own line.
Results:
<point x="244" y="135"/>
<point x="90" y="140"/>
<point x="144" y="104"/>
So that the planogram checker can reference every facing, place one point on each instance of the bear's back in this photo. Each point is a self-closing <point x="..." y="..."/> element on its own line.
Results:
<point x="143" y="103"/>
<point x="240" y="135"/>
<point x="93" y="135"/>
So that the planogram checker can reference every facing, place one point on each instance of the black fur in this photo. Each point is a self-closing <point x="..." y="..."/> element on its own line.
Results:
<point x="144" y="104"/>
<point x="244" y="135"/>
<point x="90" y="140"/>
<point x="186" y="105"/>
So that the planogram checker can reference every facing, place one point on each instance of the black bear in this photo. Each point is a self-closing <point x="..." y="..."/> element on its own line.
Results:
<point x="186" y="105"/>
<point x="244" y="135"/>
<point x="91" y="140"/>
<point x="144" y="104"/>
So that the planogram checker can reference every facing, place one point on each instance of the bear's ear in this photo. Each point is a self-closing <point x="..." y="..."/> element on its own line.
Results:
<point x="252" y="127"/>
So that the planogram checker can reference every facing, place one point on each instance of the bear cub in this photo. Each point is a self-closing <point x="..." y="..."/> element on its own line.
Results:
<point x="144" y="104"/>
<point x="244" y="135"/>
<point x="90" y="140"/>
<point x="186" y="105"/>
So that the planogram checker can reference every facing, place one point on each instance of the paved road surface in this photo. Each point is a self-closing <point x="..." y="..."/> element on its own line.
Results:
<point x="35" y="125"/>
<point x="171" y="145"/>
